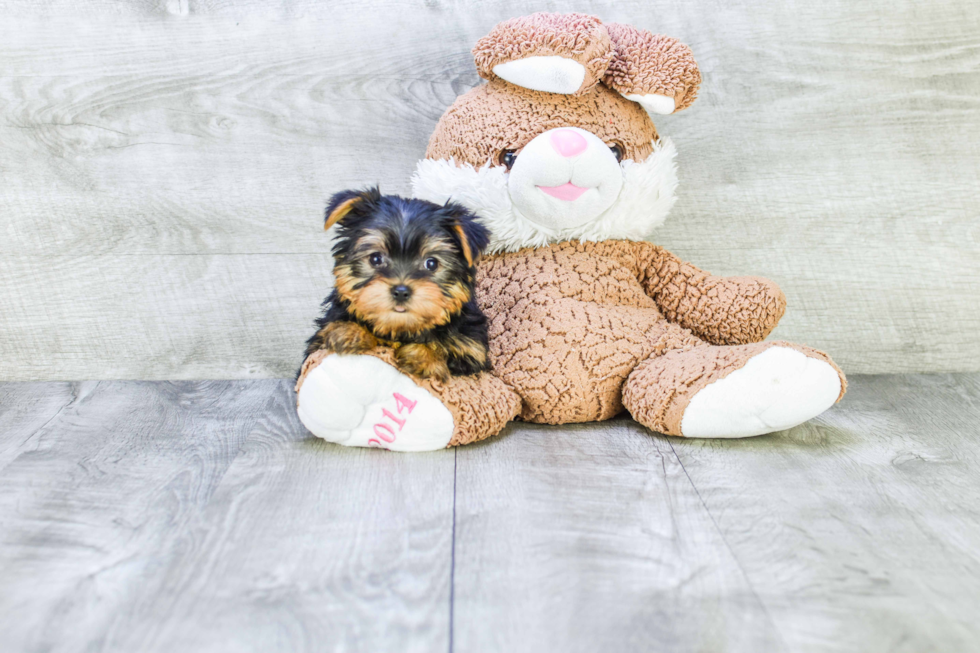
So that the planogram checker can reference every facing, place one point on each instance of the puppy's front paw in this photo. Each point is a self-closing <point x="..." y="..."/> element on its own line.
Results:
<point x="422" y="360"/>
<point x="345" y="338"/>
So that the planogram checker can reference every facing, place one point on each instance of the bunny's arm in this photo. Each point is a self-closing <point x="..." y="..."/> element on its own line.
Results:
<point x="719" y="310"/>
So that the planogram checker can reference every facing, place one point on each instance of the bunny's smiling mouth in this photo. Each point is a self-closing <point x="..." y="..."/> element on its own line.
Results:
<point x="567" y="192"/>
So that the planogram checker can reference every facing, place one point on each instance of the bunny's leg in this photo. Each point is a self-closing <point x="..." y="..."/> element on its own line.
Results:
<point x="363" y="400"/>
<point x="732" y="391"/>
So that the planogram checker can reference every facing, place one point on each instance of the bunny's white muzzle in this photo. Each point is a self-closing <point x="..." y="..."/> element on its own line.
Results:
<point x="565" y="178"/>
<point x="620" y="201"/>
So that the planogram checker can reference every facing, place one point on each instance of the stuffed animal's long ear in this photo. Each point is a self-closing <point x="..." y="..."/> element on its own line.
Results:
<point x="659" y="72"/>
<point x="342" y="203"/>
<point x="473" y="236"/>
<point x="554" y="53"/>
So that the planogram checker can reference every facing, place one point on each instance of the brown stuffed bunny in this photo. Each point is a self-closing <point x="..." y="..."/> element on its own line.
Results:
<point x="558" y="156"/>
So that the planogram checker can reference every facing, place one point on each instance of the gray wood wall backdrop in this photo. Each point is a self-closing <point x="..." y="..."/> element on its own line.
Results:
<point x="164" y="163"/>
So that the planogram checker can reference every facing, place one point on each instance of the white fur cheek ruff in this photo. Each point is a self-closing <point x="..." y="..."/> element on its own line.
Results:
<point x="643" y="204"/>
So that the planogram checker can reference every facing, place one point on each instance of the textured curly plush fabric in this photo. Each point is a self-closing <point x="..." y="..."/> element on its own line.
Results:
<point x="579" y="37"/>
<point x="580" y="331"/>
<point x="499" y="116"/>
<point x="570" y="322"/>
<point x="652" y="63"/>
<point x="660" y="388"/>
<point x="720" y="310"/>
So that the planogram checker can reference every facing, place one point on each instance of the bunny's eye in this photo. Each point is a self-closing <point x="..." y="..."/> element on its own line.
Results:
<point x="617" y="151"/>
<point x="508" y="158"/>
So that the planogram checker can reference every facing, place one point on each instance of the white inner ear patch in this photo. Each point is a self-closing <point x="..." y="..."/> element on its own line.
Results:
<point x="552" y="74"/>
<point x="653" y="103"/>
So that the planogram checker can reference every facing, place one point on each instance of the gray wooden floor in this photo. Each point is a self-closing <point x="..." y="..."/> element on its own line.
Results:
<point x="201" y="516"/>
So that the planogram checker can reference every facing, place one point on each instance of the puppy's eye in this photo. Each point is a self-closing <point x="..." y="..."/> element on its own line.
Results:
<point x="431" y="264"/>
<point x="617" y="151"/>
<point x="508" y="158"/>
<point x="376" y="260"/>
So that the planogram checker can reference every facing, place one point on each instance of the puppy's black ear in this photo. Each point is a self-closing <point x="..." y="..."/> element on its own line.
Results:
<point x="473" y="236"/>
<point x="341" y="204"/>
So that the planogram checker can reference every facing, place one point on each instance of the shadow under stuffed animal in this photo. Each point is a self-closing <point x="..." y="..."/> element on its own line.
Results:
<point x="558" y="156"/>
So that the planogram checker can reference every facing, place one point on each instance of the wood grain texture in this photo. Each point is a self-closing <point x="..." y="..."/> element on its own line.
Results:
<point x="307" y="546"/>
<point x="592" y="538"/>
<point x="203" y="517"/>
<point x="219" y="304"/>
<point x="834" y="148"/>
<point x="855" y="532"/>
<point x="859" y="531"/>
<point x="101" y="492"/>
<point x="25" y="409"/>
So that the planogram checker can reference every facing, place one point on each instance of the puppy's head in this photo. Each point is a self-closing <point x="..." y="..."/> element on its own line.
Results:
<point x="403" y="266"/>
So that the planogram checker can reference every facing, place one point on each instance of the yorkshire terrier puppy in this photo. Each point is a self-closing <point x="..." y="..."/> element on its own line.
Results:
<point x="405" y="272"/>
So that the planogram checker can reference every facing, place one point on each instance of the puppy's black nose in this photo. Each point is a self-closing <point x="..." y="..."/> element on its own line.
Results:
<point x="401" y="293"/>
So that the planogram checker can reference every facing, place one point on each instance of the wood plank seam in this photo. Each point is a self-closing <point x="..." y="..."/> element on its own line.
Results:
<point x="452" y="554"/>
<point x="71" y="402"/>
<point x="741" y="569"/>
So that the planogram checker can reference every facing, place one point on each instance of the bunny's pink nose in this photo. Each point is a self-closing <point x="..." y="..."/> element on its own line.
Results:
<point x="567" y="142"/>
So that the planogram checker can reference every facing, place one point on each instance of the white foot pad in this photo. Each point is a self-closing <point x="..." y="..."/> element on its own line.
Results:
<point x="361" y="401"/>
<point x="776" y="390"/>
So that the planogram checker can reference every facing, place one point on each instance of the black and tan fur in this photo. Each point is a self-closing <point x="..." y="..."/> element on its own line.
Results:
<point x="405" y="273"/>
